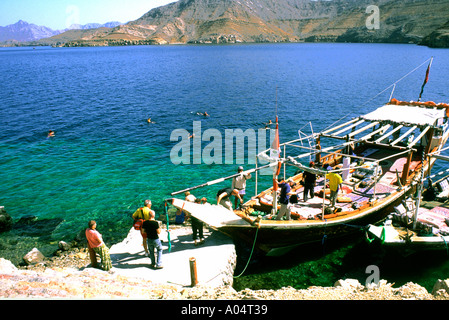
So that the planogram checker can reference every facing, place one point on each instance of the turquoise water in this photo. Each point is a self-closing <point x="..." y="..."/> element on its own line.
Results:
<point x="105" y="159"/>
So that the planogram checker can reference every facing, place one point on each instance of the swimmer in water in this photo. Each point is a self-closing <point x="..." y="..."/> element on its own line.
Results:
<point x="50" y="134"/>
<point x="149" y="121"/>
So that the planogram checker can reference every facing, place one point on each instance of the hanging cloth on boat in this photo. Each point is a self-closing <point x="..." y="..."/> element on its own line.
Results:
<point x="425" y="80"/>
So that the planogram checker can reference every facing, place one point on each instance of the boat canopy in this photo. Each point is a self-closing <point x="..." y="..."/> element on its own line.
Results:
<point x="407" y="115"/>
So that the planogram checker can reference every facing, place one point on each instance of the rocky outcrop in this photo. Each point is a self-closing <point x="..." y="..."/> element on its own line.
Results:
<point x="90" y="283"/>
<point x="6" y="221"/>
<point x="34" y="257"/>
<point x="438" y="39"/>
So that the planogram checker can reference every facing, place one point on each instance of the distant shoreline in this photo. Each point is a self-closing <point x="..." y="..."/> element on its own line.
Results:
<point x="124" y="43"/>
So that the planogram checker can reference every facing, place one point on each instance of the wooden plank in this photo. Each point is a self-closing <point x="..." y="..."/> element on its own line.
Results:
<point x="404" y="135"/>
<point x="363" y="129"/>
<point x="385" y="127"/>
<point x="419" y="137"/>
<point x="347" y="128"/>
<point x="389" y="133"/>
<point x="340" y="126"/>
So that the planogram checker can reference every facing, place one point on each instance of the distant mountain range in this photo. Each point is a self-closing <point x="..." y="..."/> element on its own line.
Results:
<point x="23" y="31"/>
<point x="225" y="21"/>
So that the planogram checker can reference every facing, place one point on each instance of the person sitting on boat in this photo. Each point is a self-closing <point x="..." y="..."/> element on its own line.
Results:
<point x="309" y="179"/>
<point x="189" y="197"/>
<point x="335" y="181"/>
<point x="284" y="198"/>
<point x="239" y="183"/>
<point x="223" y="197"/>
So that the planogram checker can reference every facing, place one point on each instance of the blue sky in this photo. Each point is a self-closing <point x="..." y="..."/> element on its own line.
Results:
<point x="60" y="14"/>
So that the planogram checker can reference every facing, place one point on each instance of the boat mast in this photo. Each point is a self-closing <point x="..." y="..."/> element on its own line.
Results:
<point x="418" y="198"/>
<point x="275" y="152"/>
<point x="423" y="157"/>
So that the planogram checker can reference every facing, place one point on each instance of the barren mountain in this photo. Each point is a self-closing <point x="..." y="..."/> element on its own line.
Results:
<point x="217" y="21"/>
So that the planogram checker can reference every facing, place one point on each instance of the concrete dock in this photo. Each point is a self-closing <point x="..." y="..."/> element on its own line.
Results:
<point x="215" y="259"/>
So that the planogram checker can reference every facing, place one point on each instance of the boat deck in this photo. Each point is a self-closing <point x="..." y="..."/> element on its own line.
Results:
<point x="358" y="189"/>
<point x="431" y="232"/>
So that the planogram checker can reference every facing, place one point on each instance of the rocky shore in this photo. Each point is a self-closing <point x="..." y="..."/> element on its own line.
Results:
<point x="68" y="275"/>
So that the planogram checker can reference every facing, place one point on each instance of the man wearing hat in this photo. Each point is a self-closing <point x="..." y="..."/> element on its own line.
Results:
<point x="239" y="183"/>
<point x="284" y="198"/>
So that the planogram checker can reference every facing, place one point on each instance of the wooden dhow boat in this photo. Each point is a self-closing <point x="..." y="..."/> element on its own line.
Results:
<point x="381" y="156"/>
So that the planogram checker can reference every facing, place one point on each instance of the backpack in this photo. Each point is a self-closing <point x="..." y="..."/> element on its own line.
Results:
<point x="138" y="222"/>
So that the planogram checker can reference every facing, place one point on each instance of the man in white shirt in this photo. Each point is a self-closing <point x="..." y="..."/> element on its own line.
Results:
<point x="239" y="183"/>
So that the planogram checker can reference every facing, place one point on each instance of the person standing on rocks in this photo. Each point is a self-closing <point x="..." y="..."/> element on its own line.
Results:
<point x="152" y="229"/>
<point x="97" y="246"/>
<point x="144" y="213"/>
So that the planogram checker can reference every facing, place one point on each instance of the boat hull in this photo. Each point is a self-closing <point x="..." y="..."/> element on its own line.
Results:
<point x="274" y="238"/>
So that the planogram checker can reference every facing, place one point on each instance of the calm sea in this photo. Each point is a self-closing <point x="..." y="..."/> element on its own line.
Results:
<point x="105" y="158"/>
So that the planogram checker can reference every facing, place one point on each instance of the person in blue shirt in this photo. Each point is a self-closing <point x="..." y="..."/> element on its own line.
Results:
<point x="284" y="198"/>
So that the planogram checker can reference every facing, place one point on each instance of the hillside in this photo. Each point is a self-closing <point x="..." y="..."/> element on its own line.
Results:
<point x="223" y="21"/>
<point x="439" y="38"/>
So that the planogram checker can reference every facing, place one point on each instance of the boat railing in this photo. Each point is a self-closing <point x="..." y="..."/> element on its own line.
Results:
<point x="335" y="153"/>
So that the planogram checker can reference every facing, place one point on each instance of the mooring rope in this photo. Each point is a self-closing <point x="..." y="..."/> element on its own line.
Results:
<point x="445" y="243"/>
<point x="250" y="256"/>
